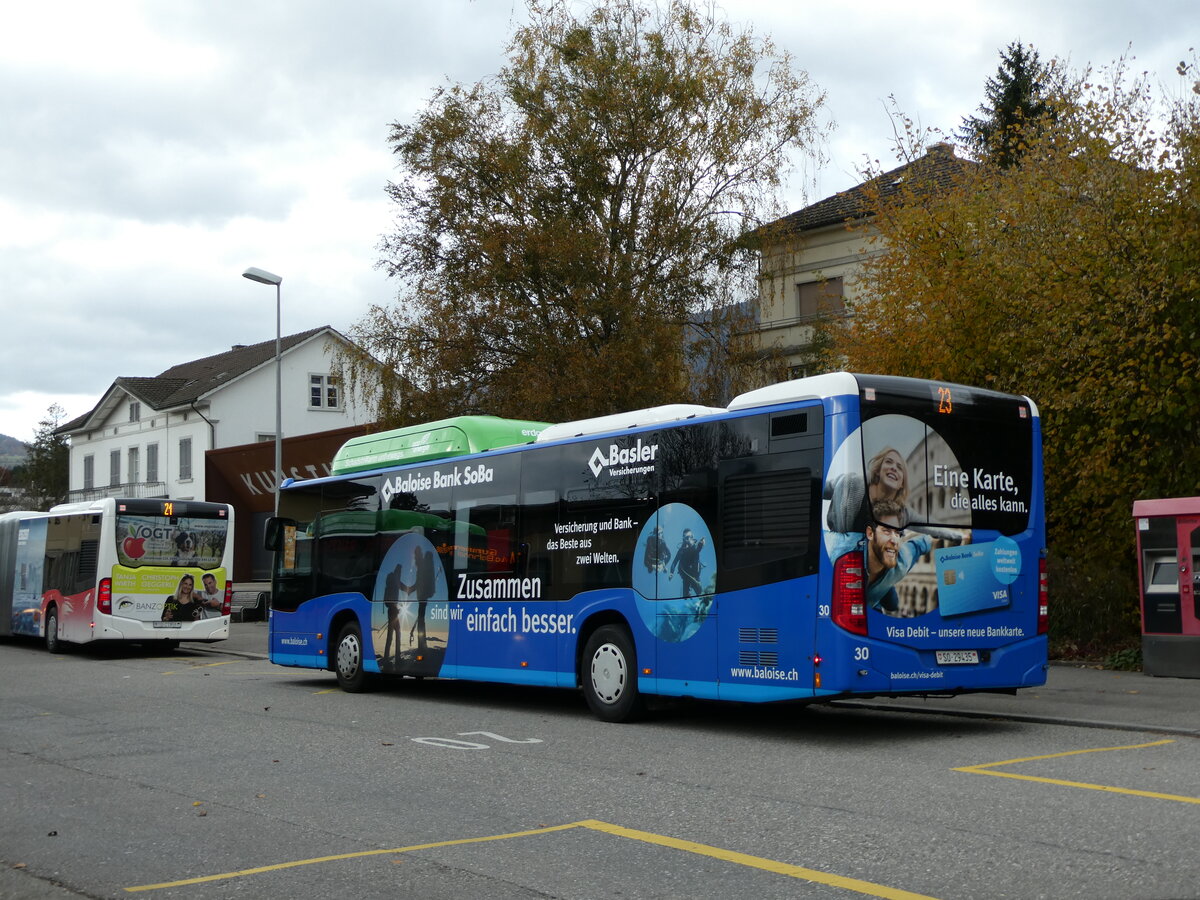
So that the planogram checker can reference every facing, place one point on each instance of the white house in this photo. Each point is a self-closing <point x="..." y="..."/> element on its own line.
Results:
<point x="147" y="437"/>
<point x="205" y="430"/>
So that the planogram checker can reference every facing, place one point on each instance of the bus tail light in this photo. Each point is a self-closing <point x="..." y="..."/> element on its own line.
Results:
<point x="1043" y="598"/>
<point x="104" y="596"/>
<point x="849" y="594"/>
<point x="227" y="603"/>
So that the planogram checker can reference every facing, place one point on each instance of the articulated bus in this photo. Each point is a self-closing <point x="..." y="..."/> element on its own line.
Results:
<point x="117" y="570"/>
<point x="831" y="537"/>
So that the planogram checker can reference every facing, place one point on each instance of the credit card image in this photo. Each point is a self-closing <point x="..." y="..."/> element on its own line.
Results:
<point x="966" y="582"/>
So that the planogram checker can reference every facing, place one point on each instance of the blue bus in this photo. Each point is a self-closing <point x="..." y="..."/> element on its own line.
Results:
<point x="829" y="537"/>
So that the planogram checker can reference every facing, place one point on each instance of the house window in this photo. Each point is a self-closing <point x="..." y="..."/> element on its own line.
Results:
<point x="135" y="411"/>
<point x="134" y="464"/>
<point x="114" y="468"/>
<point x="89" y="472"/>
<point x="185" y="458"/>
<point x="323" y="392"/>
<point x="152" y="462"/>
<point x="820" y="298"/>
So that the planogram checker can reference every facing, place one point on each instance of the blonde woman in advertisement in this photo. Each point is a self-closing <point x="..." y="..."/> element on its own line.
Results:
<point x="851" y="499"/>
<point x="183" y="605"/>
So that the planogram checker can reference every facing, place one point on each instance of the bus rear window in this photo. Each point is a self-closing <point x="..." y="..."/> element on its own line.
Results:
<point x="145" y="540"/>
<point x="951" y="456"/>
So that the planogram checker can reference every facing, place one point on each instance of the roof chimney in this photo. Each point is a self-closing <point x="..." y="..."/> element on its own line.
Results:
<point x="944" y="147"/>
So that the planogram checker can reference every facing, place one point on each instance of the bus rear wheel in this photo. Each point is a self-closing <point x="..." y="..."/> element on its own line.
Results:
<point x="610" y="675"/>
<point x="348" y="660"/>
<point x="53" y="644"/>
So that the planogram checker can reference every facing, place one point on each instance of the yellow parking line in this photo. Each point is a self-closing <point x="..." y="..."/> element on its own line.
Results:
<point x="756" y="862"/>
<point x="982" y="767"/>
<point x="769" y="865"/>
<point x="357" y="855"/>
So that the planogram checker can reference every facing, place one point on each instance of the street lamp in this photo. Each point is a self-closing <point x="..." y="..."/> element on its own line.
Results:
<point x="264" y="277"/>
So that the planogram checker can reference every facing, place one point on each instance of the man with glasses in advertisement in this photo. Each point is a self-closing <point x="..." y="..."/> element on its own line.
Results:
<point x="889" y="556"/>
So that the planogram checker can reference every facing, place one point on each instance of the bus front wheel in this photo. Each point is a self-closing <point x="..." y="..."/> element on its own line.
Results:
<point x="610" y="675"/>
<point x="348" y="659"/>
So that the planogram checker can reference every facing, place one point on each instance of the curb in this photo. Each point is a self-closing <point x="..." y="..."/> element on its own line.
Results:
<point x="1020" y="717"/>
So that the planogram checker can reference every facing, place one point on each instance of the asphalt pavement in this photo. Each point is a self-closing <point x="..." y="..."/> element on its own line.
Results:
<point x="1075" y="694"/>
<point x="1079" y="694"/>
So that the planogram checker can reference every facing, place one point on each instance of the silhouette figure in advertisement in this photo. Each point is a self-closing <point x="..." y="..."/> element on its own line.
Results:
<point x="424" y="586"/>
<point x="687" y="563"/>
<point x="657" y="554"/>
<point x="391" y="602"/>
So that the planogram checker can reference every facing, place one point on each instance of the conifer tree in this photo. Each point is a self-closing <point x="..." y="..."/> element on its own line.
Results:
<point x="1018" y="105"/>
<point x="44" y="476"/>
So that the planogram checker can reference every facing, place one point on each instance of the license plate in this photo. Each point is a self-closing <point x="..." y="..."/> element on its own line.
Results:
<point x="166" y="625"/>
<point x="957" y="657"/>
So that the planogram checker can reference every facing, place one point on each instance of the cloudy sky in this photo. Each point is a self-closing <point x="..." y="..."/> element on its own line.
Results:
<point x="151" y="151"/>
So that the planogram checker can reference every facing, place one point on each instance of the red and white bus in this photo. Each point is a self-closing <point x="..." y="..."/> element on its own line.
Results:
<point x="117" y="570"/>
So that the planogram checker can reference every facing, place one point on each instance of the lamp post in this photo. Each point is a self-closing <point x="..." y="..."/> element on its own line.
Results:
<point x="264" y="277"/>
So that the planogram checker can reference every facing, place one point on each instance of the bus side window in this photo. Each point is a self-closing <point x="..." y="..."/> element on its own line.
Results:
<point x="539" y="511"/>
<point x="542" y="475"/>
<point x="346" y="537"/>
<point x="347" y="564"/>
<point x="689" y="472"/>
<point x="85" y="573"/>
<point x="485" y="535"/>
<point x="770" y="509"/>
<point x="485" y="518"/>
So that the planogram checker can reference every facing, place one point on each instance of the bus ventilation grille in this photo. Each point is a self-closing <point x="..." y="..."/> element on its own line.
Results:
<point x="758" y="658"/>
<point x="758" y="635"/>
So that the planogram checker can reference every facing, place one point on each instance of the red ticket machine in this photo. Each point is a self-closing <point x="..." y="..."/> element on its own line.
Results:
<point x="1168" y="538"/>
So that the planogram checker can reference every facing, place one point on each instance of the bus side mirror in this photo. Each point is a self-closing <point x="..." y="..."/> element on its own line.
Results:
<point x="273" y="536"/>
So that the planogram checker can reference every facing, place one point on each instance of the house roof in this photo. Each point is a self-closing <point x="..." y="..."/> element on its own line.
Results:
<point x="189" y="381"/>
<point x="937" y="169"/>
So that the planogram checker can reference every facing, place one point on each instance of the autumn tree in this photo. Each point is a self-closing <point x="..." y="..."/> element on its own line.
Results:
<point x="568" y="232"/>
<point x="1072" y="278"/>
<point x="1019" y="103"/>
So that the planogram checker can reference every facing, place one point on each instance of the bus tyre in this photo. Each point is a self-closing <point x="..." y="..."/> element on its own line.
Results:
<point x="348" y="660"/>
<point x="53" y="644"/>
<point x="610" y="675"/>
